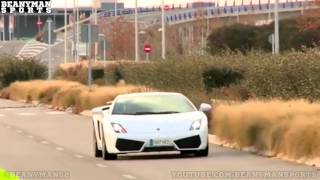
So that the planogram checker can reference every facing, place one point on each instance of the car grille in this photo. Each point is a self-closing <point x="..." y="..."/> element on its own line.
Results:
<point x="157" y="149"/>
<point x="189" y="142"/>
<point x="128" y="145"/>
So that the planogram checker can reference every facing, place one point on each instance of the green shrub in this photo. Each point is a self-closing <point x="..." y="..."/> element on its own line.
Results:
<point x="13" y="69"/>
<point x="77" y="72"/>
<point x="214" y="77"/>
<point x="228" y="76"/>
<point x="235" y="37"/>
<point x="172" y="75"/>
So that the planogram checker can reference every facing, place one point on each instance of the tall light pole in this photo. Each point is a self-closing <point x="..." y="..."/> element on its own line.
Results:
<point x="96" y="23"/>
<point x="104" y="49"/>
<point x="136" y="32"/>
<point x="49" y="21"/>
<point x="78" y="32"/>
<point x="276" y="28"/>
<point x="115" y="8"/>
<point x="65" y="31"/>
<point x="163" y="31"/>
<point x="74" y="53"/>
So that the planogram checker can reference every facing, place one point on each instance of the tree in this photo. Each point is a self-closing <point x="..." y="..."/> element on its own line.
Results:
<point x="311" y="19"/>
<point x="120" y="37"/>
<point x="235" y="37"/>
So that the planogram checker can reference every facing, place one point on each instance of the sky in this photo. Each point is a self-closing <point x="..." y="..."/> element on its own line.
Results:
<point x="147" y="3"/>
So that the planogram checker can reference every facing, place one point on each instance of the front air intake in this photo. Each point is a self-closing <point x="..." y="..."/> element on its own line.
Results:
<point x="128" y="145"/>
<point x="189" y="142"/>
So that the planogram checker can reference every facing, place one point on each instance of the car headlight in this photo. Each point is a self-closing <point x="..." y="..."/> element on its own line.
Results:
<point x="195" y="125"/>
<point x="118" y="128"/>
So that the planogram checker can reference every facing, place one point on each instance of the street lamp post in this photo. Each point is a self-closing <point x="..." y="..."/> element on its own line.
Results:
<point x="163" y="31"/>
<point x="74" y="53"/>
<point x="136" y="32"/>
<point x="115" y="8"/>
<point x="49" y="21"/>
<point x="104" y="49"/>
<point x="65" y="31"/>
<point x="276" y="28"/>
<point x="78" y="32"/>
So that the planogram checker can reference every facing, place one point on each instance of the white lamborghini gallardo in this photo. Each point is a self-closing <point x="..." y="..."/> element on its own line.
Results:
<point x="150" y="122"/>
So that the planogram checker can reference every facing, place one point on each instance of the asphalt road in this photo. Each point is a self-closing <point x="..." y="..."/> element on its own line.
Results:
<point x="40" y="139"/>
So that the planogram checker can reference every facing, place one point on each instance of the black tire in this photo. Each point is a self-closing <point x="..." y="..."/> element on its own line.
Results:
<point x="202" y="153"/>
<point x="105" y="154"/>
<point x="97" y="152"/>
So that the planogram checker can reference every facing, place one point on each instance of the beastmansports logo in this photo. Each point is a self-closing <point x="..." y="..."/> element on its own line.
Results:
<point x="25" y="7"/>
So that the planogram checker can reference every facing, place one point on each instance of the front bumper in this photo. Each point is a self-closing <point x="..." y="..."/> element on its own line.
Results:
<point x="123" y="143"/>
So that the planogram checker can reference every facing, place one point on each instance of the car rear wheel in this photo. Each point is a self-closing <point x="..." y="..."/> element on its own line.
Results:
<point x="97" y="152"/>
<point x="105" y="154"/>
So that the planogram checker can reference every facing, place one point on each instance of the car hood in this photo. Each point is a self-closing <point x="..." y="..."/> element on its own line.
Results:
<point x="157" y="123"/>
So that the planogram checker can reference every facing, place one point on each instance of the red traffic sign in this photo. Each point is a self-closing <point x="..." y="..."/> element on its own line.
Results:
<point x="166" y="7"/>
<point x="39" y="23"/>
<point x="147" y="48"/>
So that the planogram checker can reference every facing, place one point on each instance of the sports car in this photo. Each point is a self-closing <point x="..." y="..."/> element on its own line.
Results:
<point x="150" y="122"/>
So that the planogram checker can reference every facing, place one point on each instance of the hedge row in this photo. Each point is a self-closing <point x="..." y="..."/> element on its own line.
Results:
<point x="229" y="76"/>
<point x="13" y="69"/>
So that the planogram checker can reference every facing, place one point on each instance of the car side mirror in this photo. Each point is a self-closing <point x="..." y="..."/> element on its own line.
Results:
<point x="205" y="107"/>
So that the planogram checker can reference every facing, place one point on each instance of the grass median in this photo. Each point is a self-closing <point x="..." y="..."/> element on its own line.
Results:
<point x="66" y="94"/>
<point x="288" y="128"/>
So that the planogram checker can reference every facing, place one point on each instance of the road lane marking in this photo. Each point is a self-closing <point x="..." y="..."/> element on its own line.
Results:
<point x="19" y="131"/>
<point x="128" y="176"/>
<point x="78" y="156"/>
<point x="26" y="114"/>
<point x="55" y="113"/>
<point x="59" y="149"/>
<point x="101" y="165"/>
<point x="44" y="142"/>
<point x="30" y="136"/>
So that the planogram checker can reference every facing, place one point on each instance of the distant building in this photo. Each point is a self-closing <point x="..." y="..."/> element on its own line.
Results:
<point x="25" y="26"/>
<point x="110" y="6"/>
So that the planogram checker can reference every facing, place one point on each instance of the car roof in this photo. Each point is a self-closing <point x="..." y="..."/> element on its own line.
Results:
<point x="149" y="93"/>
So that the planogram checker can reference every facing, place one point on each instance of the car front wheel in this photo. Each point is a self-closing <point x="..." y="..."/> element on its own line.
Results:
<point x="105" y="154"/>
<point x="202" y="153"/>
<point x="97" y="152"/>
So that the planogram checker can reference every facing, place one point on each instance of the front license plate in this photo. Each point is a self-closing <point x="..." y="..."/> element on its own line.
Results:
<point x="160" y="142"/>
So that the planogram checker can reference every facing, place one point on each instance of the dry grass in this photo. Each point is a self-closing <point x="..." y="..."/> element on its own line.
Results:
<point x="65" y="94"/>
<point x="281" y="128"/>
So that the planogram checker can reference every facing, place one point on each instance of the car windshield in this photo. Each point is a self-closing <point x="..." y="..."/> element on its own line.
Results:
<point x="152" y="104"/>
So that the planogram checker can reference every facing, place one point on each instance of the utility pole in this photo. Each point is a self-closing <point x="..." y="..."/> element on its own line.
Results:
<point x="96" y="23"/>
<point x="49" y="21"/>
<point x="115" y="8"/>
<point x="65" y="31"/>
<point x="136" y="32"/>
<point x="74" y="53"/>
<point x="163" y="31"/>
<point x="78" y="32"/>
<point x="276" y="28"/>
<point x="3" y="28"/>
<point x="89" y="59"/>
